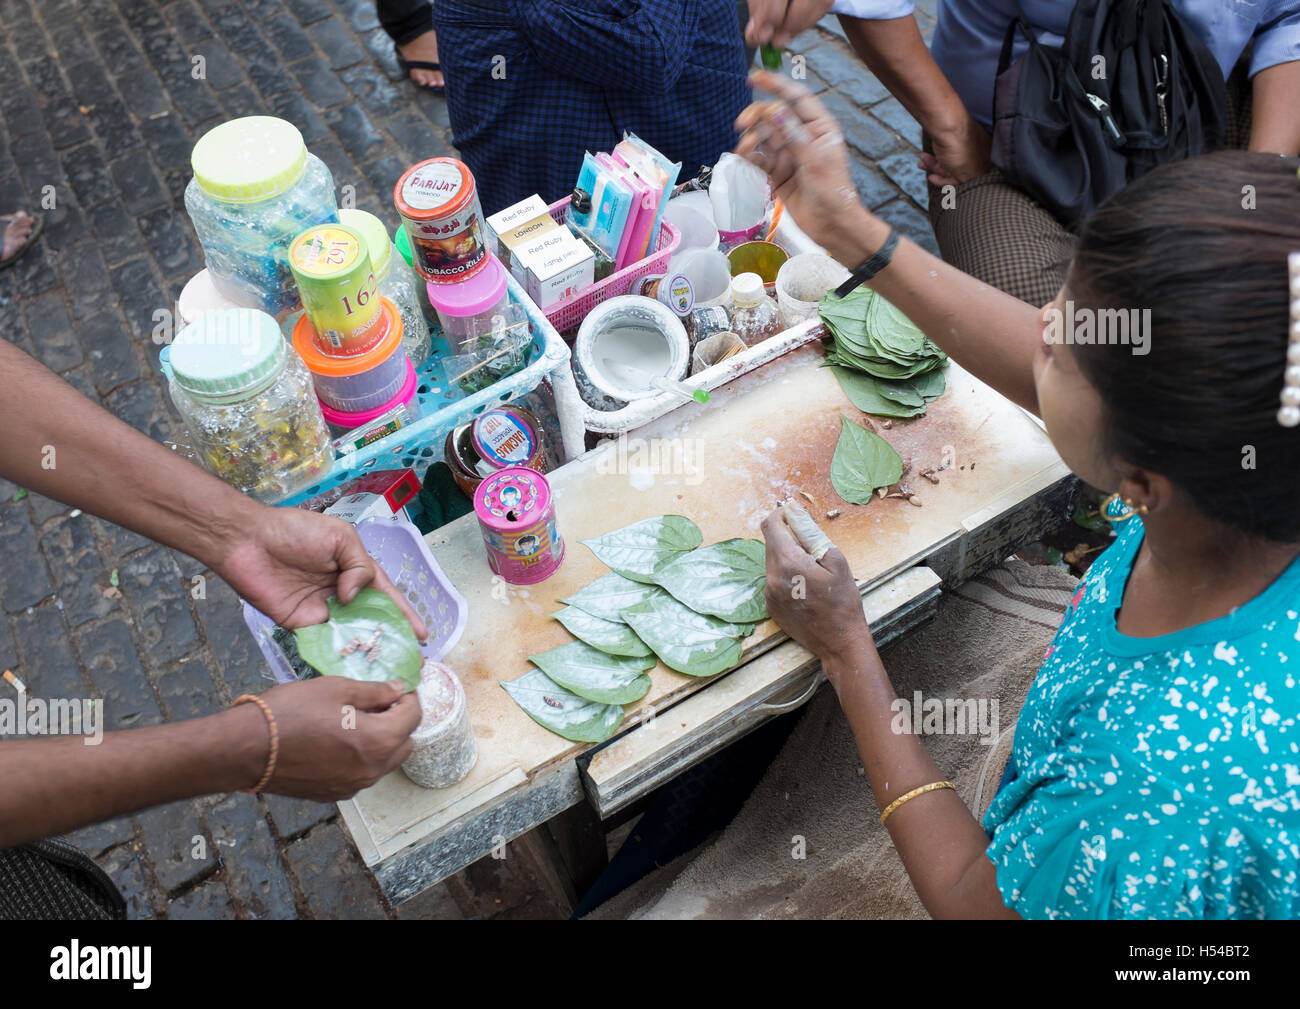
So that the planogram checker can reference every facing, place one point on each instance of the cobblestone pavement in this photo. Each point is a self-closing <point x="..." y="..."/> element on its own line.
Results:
<point x="102" y="102"/>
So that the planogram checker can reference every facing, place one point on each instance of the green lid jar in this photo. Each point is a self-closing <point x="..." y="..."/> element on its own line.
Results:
<point x="249" y="404"/>
<point x="228" y="356"/>
<point x="250" y="159"/>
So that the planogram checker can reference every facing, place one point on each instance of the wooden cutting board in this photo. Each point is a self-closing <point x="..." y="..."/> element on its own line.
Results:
<point x="767" y="436"/>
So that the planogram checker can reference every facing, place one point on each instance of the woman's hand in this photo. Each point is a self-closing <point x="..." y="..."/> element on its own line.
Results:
<point x="337" y="736"/>
<point x="801" y="148"/>
<point x="287" y="562"/>
<point x="816" y="602"/>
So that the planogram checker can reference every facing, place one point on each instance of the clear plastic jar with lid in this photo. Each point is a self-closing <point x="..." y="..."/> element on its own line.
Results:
<point x="248" y="403"/>
<point x="397" y="281"/>
<point x="755" y="316"/>
<point x="255" y="187"/>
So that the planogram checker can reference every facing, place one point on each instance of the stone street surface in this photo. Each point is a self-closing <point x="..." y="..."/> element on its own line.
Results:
<point x="102" y="101"/>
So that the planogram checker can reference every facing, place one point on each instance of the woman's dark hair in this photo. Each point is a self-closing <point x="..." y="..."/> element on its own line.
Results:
<point x="1203" y="244"/>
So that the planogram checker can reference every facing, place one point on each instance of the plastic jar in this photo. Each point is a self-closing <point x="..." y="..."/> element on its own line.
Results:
<point x="364" y="381"/>
<point x="402" y="243"/>
<point x="495" y="439"/>
<point x="445" y="750"/>
<point x="439" y="205"/>
<point x="200" y="296"/>
<point x="755" y="316"/>
<point x="255" y="187"/>
<point x="404" y="407"/>
<point x="248" y="403"/>
<point x="466" y="309"/>
<point x="331" y="264"/>
<point x="396" y="281"/>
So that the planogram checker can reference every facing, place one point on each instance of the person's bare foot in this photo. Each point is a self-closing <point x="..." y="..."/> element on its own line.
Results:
<point x="423" y="50"/>
<point x="18" y="226"/>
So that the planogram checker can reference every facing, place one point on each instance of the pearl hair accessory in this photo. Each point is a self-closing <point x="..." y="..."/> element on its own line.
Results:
<point x="1289" y="414"/>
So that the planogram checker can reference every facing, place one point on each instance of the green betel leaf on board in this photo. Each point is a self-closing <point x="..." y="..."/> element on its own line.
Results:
<point x="692" y="643"/>
<point x="723" y="580"/>
<point x="609" y="595"/>
<point x="591" y="674"/>
<point x="930" y="385"/>
<point x="864" y="392"/>
<point x="638" y="551"/>
<point x="862" y="462"/>
<point x="564" y="713"/>
<point x="368" y="639"/>
<point x="611" y="636"/>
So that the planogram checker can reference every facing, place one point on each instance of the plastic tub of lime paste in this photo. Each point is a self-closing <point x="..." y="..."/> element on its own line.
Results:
<point x="444" y="746"/>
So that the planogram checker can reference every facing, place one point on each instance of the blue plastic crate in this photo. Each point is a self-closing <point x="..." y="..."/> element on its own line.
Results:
<point x="444" y="405"/>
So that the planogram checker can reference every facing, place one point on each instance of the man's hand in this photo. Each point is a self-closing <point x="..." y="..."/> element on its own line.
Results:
<point x="960" y="154"/>
<point x="337" y="736"/>
<point x="287" y="562"/>
<point x="778" y="21"/>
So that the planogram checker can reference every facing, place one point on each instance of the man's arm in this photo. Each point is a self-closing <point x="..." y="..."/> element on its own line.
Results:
<point x="284" y="561"/>
<point x="337" y="736"/>
<point x="1275" y="109"/>
<point x="894" y="51"/>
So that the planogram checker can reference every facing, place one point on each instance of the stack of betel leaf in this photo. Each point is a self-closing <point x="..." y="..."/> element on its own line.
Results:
<point x="667" y="599"/>
<point x="884" y="363"/>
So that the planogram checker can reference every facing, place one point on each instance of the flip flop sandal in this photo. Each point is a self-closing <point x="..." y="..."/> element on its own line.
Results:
<point x="37" y="228"/>
<point x="409" y="65"/>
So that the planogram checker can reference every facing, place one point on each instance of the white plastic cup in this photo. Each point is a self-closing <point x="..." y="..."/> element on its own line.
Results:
<point x="803" y="281"/>
<point x="709" y="272"/>
<point x="698" y="231"/>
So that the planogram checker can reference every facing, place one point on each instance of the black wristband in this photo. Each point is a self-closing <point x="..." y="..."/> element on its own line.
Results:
<point x="871" y="267"/>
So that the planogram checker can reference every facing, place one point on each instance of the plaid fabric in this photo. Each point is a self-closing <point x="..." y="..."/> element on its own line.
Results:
<point x="532" y="84"/>
<point x="1000" y="234"/>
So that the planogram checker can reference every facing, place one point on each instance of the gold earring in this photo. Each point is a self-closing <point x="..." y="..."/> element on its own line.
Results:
<point x="1109" y="514"/>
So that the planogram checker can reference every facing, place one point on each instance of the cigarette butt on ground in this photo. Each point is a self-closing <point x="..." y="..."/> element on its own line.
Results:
<point x="14" y="681"/>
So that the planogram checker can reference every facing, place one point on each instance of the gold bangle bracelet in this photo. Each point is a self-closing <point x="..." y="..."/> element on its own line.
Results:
<point x="933" y="786"/>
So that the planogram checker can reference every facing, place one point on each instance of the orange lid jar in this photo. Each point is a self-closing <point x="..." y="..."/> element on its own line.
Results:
<point x="440" y="210"/>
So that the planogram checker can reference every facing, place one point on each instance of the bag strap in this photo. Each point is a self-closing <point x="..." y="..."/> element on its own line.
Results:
<point x="1009" y="40"/>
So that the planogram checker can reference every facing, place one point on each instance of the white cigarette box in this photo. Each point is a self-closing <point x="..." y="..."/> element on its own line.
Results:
<point x="556" y="265"/>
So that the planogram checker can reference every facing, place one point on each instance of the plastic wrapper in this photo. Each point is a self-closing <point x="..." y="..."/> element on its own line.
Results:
<point x="491" y="351"/>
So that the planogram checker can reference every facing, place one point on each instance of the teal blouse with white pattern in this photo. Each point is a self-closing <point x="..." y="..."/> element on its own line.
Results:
<point x="1157" y="777"/>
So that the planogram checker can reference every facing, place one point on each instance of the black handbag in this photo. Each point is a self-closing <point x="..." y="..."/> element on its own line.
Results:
<point x="1131" y="87"/>
<point x="53" y="879"/>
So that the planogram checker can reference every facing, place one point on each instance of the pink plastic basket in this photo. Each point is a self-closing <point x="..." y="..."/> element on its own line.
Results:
<point x="567" y="315"/>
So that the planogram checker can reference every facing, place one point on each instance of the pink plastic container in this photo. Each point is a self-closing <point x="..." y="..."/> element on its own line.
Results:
<point x="465" y="308"/>
<point x="567" y="315"/>
<point x="343" y="421"/>
<point x="516" y="514"/>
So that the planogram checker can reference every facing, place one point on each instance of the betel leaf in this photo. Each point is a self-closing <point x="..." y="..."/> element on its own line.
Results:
<point x="610" y="594"/>
<point x="566" y="714"/>
<point x="590" y="673"/>
<point x="862" y="462"/>
<point x="375" y="635"/>
<point x="638" y="551"/>
<point x="611" y="636"/>
<point x="692" y="643"/>
<point x="930" y="385"/>
<point x="864" y="392"/>
<point x="724" y="580"/>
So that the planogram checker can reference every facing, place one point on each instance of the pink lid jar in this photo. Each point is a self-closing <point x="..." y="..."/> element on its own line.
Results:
<point x="466" y="309"/>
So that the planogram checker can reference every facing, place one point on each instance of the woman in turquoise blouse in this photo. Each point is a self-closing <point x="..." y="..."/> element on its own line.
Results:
<point x="1157" y="758"/>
